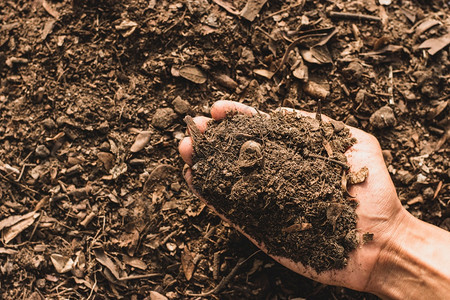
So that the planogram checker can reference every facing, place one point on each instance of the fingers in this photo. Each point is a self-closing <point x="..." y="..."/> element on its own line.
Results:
<point x="185" y="147"/>
<point x="221" y="108"/>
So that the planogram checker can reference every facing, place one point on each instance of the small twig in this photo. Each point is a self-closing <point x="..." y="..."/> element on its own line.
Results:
<point x="284" y="9"/>
<point x="226" y="279"/>
<point x="223" y="282"/>
<point x="352" y="16"/>
<point x="344" y="165"/>
<point x="319" y="111"/>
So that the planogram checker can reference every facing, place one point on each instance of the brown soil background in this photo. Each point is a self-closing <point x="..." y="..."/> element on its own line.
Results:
<point x="81" y="81"/>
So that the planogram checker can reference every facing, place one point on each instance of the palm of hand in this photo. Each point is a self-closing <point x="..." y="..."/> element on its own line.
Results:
<point x="379" y="211"/>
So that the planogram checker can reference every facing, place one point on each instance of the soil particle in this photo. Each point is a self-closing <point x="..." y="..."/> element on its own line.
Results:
<point x="163" y="118"/>
<point x="42" y="151"/>
<point x="49" y="124"/>
<point x="382" y="118"/>
<point x="271" y="177"/>
<point x="181" y="106"/>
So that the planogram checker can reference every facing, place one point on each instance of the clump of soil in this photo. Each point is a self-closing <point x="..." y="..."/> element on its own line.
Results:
<point x="280" y="180"/>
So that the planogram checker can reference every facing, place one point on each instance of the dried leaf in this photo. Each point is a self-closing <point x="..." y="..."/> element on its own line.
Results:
<point x="251" y="9"/>
<point x="264" y="73"/>
<point x="126" y="27"/>
<point x="227" y="6"/>
<point x="226" y="81"/>
<point x="61" y="263"/>
<point x="10" y="221"/>
<point x="297" y="227"/>
<point x="48" y="27"/>
<point x="436" y="44"/>
<point x="301" y="72"/>
<point x="409" y="14"/>
<point x="187" y="262"/>
<point x="425" y="25"/>
<point x="358" y="177"/>
<point x="193" y="74"/>
<point x="103" y="259"/>
<point x="50" y="9"/>
<point x="436" y="111"/>
<point x="384" y="50"/>
<point x="26" y="221"/>
<point x="317" y="55"/>
<point x="159" y="173"/>
<point x="134" y="262"/>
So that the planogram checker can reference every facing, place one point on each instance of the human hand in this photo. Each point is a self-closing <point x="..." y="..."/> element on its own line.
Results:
<point x="379" y="210"/>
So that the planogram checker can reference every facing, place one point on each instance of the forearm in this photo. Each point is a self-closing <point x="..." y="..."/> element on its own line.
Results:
<point x="415" y="264"/>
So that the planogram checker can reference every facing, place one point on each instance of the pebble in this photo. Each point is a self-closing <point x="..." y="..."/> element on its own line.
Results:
<point x="405" y="177"/>
<point x="181" y="106"/>
<point x="104" y="146"/>
<point x="157" y="296"/>
<point x="42" y="151"/>
<point x="163" y="118"/>
<point x="382" y="118"/>
<point x="428" y="193"/>
<point x="49" y="124"/>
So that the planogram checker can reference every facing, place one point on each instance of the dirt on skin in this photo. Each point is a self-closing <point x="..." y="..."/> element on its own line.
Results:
<point x="273" y="177"/>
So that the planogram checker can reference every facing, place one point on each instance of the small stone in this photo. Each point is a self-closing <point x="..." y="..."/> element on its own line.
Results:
<point x="387" y="155"/>
<point x="428" y="193"/>
<point x="382" y="118"/>
<point x="49" y="124"/>
<point x="163" y="118"/>
<point x="181" y="106"/>
<point x="352" y="121"/>
<point x="104" y="146"/>
<point x="175" y="186"/>
<point x="42" y="151"/>
<point x="157" y="296"/>
<point x="405" y="177"/>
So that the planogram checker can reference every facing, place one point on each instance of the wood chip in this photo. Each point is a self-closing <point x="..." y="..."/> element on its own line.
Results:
<point x="142" y="139"/>
<point x="50" y="9"/>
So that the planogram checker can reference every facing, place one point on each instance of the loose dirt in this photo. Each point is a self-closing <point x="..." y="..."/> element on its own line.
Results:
<point x="273" y="178"/>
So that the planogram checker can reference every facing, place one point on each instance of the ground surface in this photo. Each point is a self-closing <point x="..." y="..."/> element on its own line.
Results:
<point x="84" y="146"/>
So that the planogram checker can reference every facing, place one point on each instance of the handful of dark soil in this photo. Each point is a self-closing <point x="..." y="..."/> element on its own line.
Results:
<point x="281" y="180"/>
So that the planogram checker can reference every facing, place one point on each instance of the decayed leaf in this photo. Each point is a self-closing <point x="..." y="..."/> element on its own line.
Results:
<point x="315" y="90"/>
<point x="251" y="9"/>
<point x="437" y="110"/>
<point x="118" y="170"/>
<point x="157" y="296"/>
<point x="11" y="231"/>
<point x="297" y="227"/>
<point x="159" y="173"/>
<point x="61" y="263"/>
<point x="142" y="139"/>
<point x="103" y="259"/>
<point x="358" y="177"/>
<point x="187" y="262"/>
<point x="193" y="74"/>
<point x="436" y="44"/>
<point x="317" y="55"/>
<point x="425" y="25"/>
<point x="126" y="27"/>
<point x="134" y="262"/>
<point x="264" y="73"/>
<point x="227" y="6"/>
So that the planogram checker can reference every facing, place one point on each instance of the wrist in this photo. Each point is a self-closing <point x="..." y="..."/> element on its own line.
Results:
<point x="414" y="263"/>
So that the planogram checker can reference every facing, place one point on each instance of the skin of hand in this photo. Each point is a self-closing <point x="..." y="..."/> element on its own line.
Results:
<point x="379" y="211"/>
